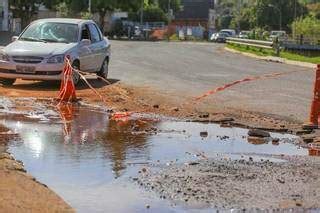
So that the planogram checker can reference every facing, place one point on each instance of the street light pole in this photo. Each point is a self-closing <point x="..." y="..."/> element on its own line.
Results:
<point x="280" y="14"/>
<point x="141" y="12"/>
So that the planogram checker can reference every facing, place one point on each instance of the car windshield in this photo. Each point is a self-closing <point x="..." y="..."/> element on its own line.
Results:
<point x="226" y="32"/>
<point x="51" y="32"/>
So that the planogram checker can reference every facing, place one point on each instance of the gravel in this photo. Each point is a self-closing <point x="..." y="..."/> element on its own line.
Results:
<point x="240" y="184"/>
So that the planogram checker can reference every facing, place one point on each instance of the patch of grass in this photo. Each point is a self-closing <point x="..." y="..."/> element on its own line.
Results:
<point x="283" y="54"/>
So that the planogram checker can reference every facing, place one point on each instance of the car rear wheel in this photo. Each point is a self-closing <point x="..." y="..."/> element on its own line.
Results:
<point x="7" y="81"/>
<point x="103" y="73"/>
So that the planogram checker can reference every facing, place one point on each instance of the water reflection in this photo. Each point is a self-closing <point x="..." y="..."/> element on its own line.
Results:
<point x="121" y="140"/>
<point x="83" y="132"/>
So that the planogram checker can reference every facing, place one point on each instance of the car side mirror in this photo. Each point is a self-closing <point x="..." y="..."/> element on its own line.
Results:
<point x="14" y="38"/>
<point x="85" y="42"/>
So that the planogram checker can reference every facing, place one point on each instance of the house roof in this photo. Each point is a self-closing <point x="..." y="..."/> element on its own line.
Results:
<point x="195" y="9"/>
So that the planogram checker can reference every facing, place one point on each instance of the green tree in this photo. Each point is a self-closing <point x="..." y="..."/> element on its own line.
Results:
<point x="24" y="9"/>
<point x="268" y="13"/>
<point x="152" y="13"/>
<point x="314" y="9"/>
<point x="175" y="5"/>
<point x="308" y="27"/>
<point x="106" y="7"/>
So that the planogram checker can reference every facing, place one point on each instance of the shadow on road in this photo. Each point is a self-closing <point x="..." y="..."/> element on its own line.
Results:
<point x="55" y="85"/>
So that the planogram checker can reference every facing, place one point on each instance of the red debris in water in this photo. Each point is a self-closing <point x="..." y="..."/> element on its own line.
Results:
<point x="121" y="115"/>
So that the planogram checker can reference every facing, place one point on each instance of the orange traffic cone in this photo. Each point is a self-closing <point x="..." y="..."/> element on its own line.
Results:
<point x="67" y="88"/>
<point x="315" y="106"/>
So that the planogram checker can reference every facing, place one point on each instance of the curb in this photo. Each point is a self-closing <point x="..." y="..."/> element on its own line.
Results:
<point x="274" y="59"/>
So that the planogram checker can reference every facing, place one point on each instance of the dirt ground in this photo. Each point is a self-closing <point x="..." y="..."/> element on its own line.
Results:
<point x="19" y="191"/>
<point x="121" y="97"/>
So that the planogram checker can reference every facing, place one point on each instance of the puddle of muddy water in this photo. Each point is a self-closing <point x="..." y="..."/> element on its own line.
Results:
<point x="88" y="159"/>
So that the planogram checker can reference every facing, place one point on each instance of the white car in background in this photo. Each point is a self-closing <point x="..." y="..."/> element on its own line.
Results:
<point x="281" y="35"/>
<point x="39" y="52"/>
<point x="244" y="34"/>
<point x="230" y="32"/>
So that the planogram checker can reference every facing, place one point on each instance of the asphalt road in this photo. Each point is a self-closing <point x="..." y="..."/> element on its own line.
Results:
<point x="185" y="70"/>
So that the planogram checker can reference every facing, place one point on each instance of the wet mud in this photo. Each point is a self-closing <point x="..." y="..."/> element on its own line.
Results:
<point x="244" y="184"/>
<point x="86" y="157"/>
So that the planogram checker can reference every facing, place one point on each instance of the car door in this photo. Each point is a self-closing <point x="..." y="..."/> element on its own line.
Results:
<point x="86" y="52"/>
<point x="98" y="47"/>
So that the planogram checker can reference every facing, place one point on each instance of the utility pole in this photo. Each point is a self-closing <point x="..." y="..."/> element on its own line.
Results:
<point x="239" y="14"/>
<point x="141" y="12"/>
<point x="89" y="8"/>
<point x="295" y="16"/>
<point x="169" y="11"/>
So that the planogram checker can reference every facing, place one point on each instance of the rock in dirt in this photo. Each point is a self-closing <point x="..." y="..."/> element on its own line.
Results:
<point x="275" y="141"/>
<point x="257" y="140"/>
<point x="176" y="109"/>
<point x="204" y="115"/>
<point x="204" y="134"/>
<point x="223" y="120"/>
<point x="308" y="138"/>
<point x="258" y="133"/>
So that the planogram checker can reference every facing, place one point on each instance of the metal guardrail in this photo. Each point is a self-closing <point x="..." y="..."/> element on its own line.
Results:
<point x="251" y="42"/>
<point x="256" y="43"/>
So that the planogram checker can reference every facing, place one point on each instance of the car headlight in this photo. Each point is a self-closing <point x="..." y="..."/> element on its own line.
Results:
<point x="56" y="59"/>
<point x="4" y="57"/>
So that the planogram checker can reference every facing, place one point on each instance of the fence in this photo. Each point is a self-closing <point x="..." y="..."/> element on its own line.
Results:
<point x="302" y="44"/>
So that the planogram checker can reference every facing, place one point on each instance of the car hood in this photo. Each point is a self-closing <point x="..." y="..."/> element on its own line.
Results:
<point x="42" y="49"/>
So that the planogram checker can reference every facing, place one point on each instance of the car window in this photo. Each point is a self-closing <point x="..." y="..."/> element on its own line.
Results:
<point x="85" y="32"/>
<point x="95" y="35"/>
<point x="51" y="32"/>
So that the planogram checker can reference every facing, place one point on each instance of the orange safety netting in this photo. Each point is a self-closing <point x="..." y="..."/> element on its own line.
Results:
<point x="226" y="86"/>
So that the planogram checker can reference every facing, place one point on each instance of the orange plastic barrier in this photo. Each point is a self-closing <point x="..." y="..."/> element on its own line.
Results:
<point x="315" y="106"/>
<point x="67" y="88"/>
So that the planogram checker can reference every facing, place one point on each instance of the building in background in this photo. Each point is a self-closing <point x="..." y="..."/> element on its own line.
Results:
<point x="4" y="15"/>
<point x="197" y="18"/>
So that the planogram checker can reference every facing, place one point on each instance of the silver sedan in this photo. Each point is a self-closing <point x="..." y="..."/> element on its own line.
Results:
<point x="39" y="52"/>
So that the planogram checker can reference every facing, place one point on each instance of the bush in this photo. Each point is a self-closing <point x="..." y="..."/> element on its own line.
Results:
<point x="86" y="15"/>
<point x="150" y="14"/>
<point x="174" y="37"/>
<point x="308" y="26"/>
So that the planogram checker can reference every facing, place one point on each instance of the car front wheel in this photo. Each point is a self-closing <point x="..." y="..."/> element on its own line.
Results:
<point x="7" y="81"/>
<point x="103" y="73"/>
<point x="75" y="75"/>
